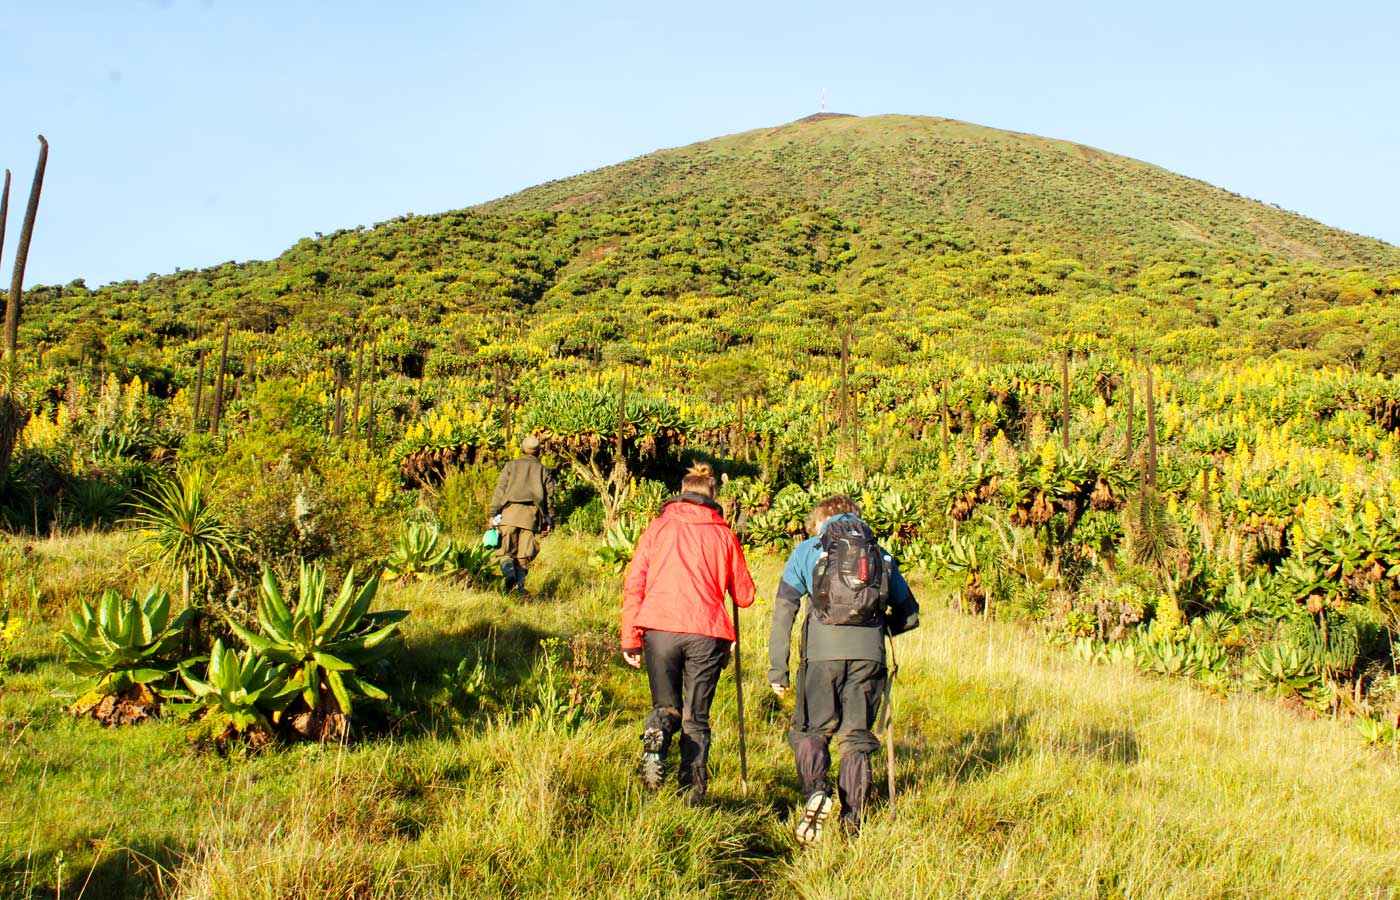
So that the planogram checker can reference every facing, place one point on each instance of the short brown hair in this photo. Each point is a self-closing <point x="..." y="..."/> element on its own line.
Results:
<point x="835" y="505"/>
<point x="700" y="480"/>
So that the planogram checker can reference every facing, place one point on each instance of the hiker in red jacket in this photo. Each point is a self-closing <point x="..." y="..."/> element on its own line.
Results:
<point x="674" y="609"/>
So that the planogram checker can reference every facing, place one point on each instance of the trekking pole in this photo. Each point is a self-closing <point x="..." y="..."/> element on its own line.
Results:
<point x="889" y="722"/>
<point x="739" y="696"/>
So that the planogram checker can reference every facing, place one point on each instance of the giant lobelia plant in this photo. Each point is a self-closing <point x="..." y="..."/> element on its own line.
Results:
<point x="421" y="552"/>
<point x="127" y="646"/>
<point x="241" y="695"/>
<point x="329" y="646"/>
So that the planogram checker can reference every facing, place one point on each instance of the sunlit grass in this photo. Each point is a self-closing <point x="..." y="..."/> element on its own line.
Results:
<point x="1022" y="773"/>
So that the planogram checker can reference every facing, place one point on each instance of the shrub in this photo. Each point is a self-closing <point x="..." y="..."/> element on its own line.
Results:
<point x="463" y="499"/>
<point x="127" y="646"/>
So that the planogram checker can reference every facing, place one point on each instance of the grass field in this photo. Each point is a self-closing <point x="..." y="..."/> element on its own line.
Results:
<point x="1023" y="773"/>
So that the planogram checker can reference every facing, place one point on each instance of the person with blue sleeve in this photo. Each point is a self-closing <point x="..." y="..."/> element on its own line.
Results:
<point x="856" y="595"/>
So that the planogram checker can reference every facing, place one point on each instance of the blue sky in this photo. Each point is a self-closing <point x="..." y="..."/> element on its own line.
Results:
<point x="190" y="132"/>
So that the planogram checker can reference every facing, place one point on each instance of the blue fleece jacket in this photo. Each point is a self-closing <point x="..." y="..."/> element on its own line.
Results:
<point x="828" y="642"/>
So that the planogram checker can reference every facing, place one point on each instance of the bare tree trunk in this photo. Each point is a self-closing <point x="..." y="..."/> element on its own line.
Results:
<point x="4" y="213"/>
<point x="1151" y="432"/>
<point x="373" y="395"/>
<point x="944" y="423"/>
<point x="13" y="414"/>
<point x="1132" y="411"/>
<point x="338" y="418"/>
<point x="845" y="371"/>
<point x="26" y="233"/>
<point x="218" y="412"/>
<point x="743" y="433"/>
<point x="621" y="412"/>
<point x="198" y="394"/>
<point x="1064" y="396"/>
<point x="614" y="491"/>
<point x="359" y="382"/>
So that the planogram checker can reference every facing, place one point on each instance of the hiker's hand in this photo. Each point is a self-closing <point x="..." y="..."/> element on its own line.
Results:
<point x="633" y="658"/>
<point x="780" y="689"/>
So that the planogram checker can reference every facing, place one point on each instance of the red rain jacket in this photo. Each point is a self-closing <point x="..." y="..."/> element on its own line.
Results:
<point x="684" y="564"/>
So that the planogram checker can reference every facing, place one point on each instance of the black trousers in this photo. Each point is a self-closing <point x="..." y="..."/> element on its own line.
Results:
<point x="842" y="698"/>
<point x="684" y="671"/>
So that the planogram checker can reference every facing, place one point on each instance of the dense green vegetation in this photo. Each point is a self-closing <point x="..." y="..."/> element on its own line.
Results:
<point x="1151" y="420"/>
<point x="1022" y="773"/>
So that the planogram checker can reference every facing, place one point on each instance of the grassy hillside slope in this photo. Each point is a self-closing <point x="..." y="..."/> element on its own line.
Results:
<point x="908" y="225"/>
<point x="1022" y="774"/>
<point x="1001" y="184"/>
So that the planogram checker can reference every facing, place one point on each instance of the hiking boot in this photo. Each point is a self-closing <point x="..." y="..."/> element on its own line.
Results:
<point x="814" y="815"/>
<point x="693" y="788"/>
<point x="651" y="768"/>
<point x="850" y="826"/>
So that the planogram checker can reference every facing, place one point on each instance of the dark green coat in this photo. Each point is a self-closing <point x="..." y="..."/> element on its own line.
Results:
<point x="522" y="495"/>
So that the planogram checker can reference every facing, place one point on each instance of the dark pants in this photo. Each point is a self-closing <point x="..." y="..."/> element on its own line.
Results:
<point x="842" y="698"/>
<point x="519" y="547"/>
<point x="684" y="670"/>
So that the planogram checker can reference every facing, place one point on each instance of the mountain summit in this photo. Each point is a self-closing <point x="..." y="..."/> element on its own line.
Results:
<point x="999" y="184"/>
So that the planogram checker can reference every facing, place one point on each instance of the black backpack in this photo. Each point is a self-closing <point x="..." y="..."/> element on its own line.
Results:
<point x="851" y="581"/>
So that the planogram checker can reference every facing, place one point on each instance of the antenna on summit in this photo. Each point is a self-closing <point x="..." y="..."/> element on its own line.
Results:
<point x="823" y="100"/>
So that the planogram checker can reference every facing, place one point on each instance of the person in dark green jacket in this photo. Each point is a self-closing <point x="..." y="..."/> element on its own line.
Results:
<point x="522" y="509"/>
<point x="841" y="676"/>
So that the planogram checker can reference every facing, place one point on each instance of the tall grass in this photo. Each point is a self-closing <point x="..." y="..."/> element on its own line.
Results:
<point x="1022" y="773"/>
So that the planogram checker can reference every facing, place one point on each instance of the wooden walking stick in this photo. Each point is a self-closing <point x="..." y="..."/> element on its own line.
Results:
<point x="739" y="697"/>
<point x="889" y="721"/>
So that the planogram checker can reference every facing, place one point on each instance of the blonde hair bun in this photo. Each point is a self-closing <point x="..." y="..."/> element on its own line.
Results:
<point x="700" y="480"/>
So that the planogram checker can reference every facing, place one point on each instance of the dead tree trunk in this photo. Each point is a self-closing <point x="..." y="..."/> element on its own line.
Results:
<point x="621" y="412"/>
<point x="1151" y="432"/>
<point x="13" y="413"/>
<point x="198" y="394"/>
<point x="1132" y="409"/>
<point x="26" y="233"/>
<point x="614" y="492"/>
<point x="845" y="372"/>
<point x="359" y="382"/>
<point x="1064" y="397"/>
<point x="4" y="213"/>
<point x="945" y="415"/>
<point x="1131" y="413"/>
<point x="373" y="395"/>
<point x="218" y="412"/>
<point x="338" y="419"/>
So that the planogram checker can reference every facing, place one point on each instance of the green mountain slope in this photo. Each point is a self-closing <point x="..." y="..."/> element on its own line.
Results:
<point x="1001" y="184"/>
<point x="995" y="241"/>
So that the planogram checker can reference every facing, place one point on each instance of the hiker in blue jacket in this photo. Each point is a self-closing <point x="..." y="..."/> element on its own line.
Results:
<point x="856" y="596"/>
